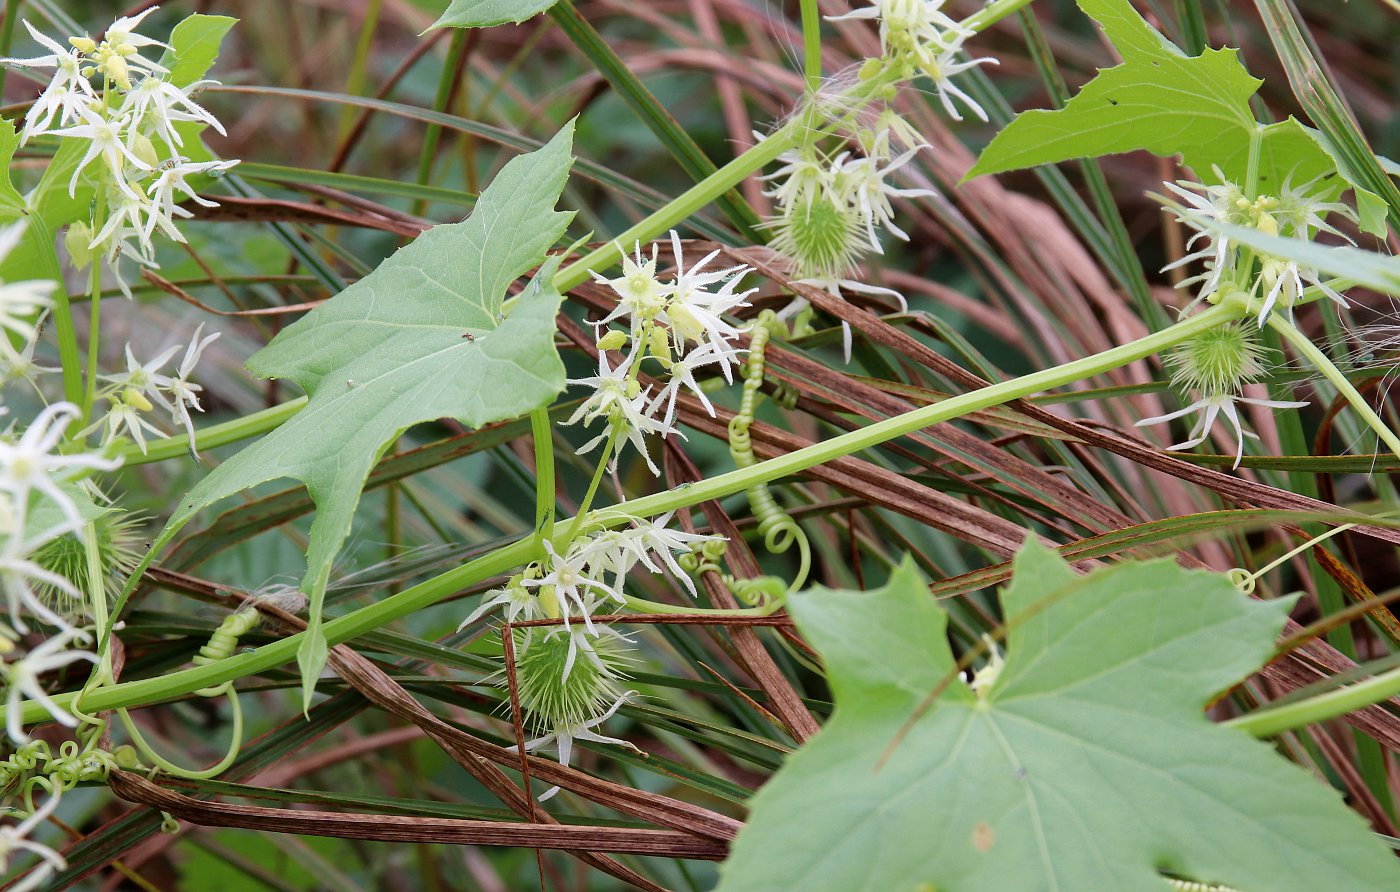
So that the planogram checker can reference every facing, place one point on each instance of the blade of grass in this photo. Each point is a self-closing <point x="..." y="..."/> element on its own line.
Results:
<point x="672" y="135"/>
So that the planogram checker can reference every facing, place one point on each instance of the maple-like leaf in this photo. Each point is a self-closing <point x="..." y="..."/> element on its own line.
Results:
<point x="423" y="337"/>
<point x="1169" y="103"/>
<point x="1087" y="764"/>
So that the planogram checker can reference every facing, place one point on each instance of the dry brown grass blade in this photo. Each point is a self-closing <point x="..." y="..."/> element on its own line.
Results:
<point x="1064" y="499"/>
<point x="1232" y="489"/>
<point x="394" y="828"/>
<point x="379" y="688"/>
<point x="176" y="291"/>
<point x="783" y="701"/>
<point x="278" y="210"/>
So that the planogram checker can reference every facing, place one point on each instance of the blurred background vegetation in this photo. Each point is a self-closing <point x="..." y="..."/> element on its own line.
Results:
<point x="356" y="129"/>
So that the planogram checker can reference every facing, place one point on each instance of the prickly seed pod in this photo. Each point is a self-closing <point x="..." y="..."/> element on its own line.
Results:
<point x="822" y="238"/>
<point x="117" y="551"/>
<point x="567" y="676"/>
<point x="1219" y="361"/>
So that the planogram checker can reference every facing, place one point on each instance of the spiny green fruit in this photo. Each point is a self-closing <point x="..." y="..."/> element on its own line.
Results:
<point x="555" y="699"/>
<point x="821" y="237"/>
<point x="118" y="555"/>
<point x="1218" y="361"/>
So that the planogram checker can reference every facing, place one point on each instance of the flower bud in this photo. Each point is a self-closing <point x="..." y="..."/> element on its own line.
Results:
<point x="136" y="399"/>
<point x="143" y="148"/>
<point x="615" y="339"/>
<point x="78" y="240"/>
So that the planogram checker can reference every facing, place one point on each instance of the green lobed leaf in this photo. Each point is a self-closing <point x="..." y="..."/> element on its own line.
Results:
<point x="194" y="45"/>
<point x="1168" y="103"/>
<point x="11" y="201"/>
<point x="485" y="13"/>
<point x="35" y="257"/>
<point x="420" y="338"/>
<point x="1087" y="764"/>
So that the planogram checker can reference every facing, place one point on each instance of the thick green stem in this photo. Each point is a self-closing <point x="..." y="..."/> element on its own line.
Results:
<point x="214" y="435"/>
<point x="542" y="431"/>
<point x="812" y="44"/>
<point x="94" y="327"/>
<point x="186" y="681"/>
<point x="425" y="594"/>
<point x="1319" y="360"/>
<point x="1268" y="722"/>
<point x="682" y="207"/>
<point x="946" y="410"/>
<point x="994" y="12"/>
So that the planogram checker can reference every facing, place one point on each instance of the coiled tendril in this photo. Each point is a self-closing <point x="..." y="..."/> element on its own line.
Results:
<point x="779" y="531"/>
<point x="761" y="591"/>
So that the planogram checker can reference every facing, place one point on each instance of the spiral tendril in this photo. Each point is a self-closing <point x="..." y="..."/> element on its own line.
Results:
<point x="779" y="531"/>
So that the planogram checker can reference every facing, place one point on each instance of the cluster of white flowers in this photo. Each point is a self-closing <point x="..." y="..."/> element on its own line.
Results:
<point x="144" y="387"/>
<point x="1298" y="212"/>
<point x="679" y="327"/>
<point x="14" y="838"/>
<point x="1214" y="367"/>
<point x="831" y="209"/>
<point x="134" y="157"/>
<point x="570" y="674"/>
<point x="833" y="205"/>
<point x="43" y="480"/>
<point x="37" y="507"/>
<point x="127" y="118"/>
<point x="126" y="131"/>
<point x="919" y="38"/>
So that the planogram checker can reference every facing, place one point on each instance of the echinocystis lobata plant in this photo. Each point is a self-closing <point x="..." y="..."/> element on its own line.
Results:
<point x="668" y="514"/>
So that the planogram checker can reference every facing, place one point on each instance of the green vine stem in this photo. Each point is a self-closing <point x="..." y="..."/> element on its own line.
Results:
<point x="215" y="435"/>
<point x="780" y="532"/>
<point x="812" y="45"/>
<point x="1269" y="722"/>
<point x="94" y="327"/>
<point x="1320" y="361"/>
<point x="542" y="432"/>
<point x="654" y="608"/>
<point x="576" y="526"/>
<point x="178" y="684"/>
